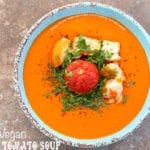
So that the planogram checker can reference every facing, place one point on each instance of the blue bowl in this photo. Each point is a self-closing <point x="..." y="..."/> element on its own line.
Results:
<point x="40" y="25"/>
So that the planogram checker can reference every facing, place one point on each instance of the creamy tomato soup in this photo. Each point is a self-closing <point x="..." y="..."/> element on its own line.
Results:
<point x="86" y="123"/>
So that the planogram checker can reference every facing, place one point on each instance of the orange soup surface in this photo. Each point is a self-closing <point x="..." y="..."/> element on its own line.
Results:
<point x="86" y="123"/>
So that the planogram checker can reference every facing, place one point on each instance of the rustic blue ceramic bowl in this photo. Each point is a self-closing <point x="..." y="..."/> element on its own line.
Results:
<point x="73" y="9"/>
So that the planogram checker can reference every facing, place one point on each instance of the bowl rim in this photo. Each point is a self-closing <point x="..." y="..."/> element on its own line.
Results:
<point x="20" y="90"/>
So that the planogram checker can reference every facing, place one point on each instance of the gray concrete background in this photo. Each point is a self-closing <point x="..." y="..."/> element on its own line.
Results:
<point x="16" y="17"/>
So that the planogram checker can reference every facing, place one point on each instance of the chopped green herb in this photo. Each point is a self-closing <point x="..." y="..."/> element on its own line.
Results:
<point x="99" y="57"/>
<point x="130" y="83"/>
<point x="71" y="100"/>
<point x="82" y="43"/>
<point x="57" y="90"/>
<point x="75" y="53"/>
<point x="108" y="72"/>
<point x="91" y="100"/>
<point x="68" y="60"/>
<point x="101" y="43"/>
<point x="47" y="94"/>
<point x="125" y="98"/>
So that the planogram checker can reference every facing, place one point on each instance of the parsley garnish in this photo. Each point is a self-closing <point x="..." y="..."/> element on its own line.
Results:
<point x="125" y="98"/>
<point x="82" y="43"/>
<point x="71" y="100"/>
<point x="91" y="100"/>
<point x="47" y="94"/>
<point x="98" y="57"/>
<point x="130" y="83"/>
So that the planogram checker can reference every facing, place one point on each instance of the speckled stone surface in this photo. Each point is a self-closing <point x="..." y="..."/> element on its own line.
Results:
<point x="16" y="17"/>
